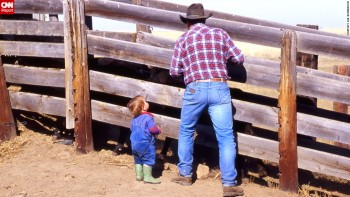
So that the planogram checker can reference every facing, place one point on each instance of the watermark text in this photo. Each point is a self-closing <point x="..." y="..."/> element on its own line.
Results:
<point x="7" y="7"/>
<point x="347" y="17"/>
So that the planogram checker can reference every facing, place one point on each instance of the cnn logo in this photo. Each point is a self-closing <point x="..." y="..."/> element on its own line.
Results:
<point x="7" y="7"/>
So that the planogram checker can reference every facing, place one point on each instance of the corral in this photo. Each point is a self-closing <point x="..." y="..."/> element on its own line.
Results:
<point x="79" y="80"/>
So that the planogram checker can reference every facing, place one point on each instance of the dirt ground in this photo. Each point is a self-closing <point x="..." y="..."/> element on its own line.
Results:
<point x="35" y="165"/>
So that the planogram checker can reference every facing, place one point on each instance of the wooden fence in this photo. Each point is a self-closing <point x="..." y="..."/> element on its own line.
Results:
<point x="144" y="48"/>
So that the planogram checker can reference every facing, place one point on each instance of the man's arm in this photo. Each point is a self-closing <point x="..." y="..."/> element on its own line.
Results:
<point x="153" y="128"/>
<point x="234" y="54"/>
<point x="176" y="66"/>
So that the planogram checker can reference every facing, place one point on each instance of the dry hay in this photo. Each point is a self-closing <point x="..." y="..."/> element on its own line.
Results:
<point x="12" y="147"/>
<point x="106" y="157"/>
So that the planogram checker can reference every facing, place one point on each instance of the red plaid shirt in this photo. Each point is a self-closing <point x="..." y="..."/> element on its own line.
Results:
<point x="202" y="53"/>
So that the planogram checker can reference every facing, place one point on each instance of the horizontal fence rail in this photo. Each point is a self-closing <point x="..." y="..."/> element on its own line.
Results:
<point x="35" y="28"/>
<point x="35" y="76"/>
<point x="39" y="6"/>
<point x="32" y="49"/>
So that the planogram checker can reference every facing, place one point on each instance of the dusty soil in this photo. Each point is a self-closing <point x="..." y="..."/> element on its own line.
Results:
<point x="34" y="164"/>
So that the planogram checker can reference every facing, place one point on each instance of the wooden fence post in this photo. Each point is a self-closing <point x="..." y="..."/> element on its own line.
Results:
<point x="341" y="107"/>
<point x="75" y="24"/>
<point x="7" y="123"/>
<point x="287" y="116"/>
<point x="144" y="28"/>
<point x="68" y="65"/>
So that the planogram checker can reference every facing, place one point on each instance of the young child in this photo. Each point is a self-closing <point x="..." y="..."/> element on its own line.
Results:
<point x="143" y="132"/>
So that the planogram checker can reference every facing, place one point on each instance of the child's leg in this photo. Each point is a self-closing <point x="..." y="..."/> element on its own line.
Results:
<point x="148" y="178"/>
<point x="148" y="161"/>
<point x="138" y="168"/>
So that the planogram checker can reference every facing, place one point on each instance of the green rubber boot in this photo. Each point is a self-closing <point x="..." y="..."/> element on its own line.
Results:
<point x="148" y="178"/>
<point x="139" y="172"/>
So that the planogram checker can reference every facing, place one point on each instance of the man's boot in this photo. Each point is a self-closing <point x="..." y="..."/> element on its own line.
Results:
<point x="147" y="175"/>
<point x="185" y="181"/>
<point x="232" y="191"/>
<point x="139" y="172"/>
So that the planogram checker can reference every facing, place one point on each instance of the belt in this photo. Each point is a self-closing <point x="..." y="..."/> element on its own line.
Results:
<point x="212" y="80"/>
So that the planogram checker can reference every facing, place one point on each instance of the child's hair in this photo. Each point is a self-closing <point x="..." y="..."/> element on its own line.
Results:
<point x="136" y="105"/>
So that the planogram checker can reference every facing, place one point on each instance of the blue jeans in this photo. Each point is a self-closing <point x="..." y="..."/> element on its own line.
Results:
<point x="214" y="97"/>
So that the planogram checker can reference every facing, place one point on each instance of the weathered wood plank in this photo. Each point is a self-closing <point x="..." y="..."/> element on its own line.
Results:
<point x="36" y="28"/>
<point x="325" y="128"/>
<point x="323" y="45"/>
<point x="32" y="49"/>
<point x="287" y="116"/>
<point x="322" y="74"/>
<point x="68" y="65"/>
<point x="131" y="37"/>
<point x="7" y="122"/>
<point x="150" y="39"/>
<point x="330" y="46"/>
<point x="38" y="103"/>
<point x="38" y="6"/>
<point x="247" y="112"/>
<point x="323" y="88"/>
<point x="261" y="73"/>
<point x="81" y="84"/>
<point x="129" y="51"/>
<point x="34" y="76"/>
<point x="324" y="163"/>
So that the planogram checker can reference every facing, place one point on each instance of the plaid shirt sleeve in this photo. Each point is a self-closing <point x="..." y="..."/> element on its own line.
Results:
<point x="176" y="66"/>
<point x="233" y="51"/>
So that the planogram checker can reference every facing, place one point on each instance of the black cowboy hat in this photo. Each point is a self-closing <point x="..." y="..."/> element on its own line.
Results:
<point x="195" y="12"/>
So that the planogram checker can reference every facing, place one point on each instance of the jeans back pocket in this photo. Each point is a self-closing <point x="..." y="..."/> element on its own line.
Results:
<point x="225" y="95"/>
<point x="191" y="94"/>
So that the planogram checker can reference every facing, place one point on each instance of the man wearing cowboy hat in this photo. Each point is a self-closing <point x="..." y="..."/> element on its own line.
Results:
<point x="201" y="55"/>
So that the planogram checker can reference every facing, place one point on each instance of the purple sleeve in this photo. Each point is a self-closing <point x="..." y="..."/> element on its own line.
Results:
<point x="153" y="128"/>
